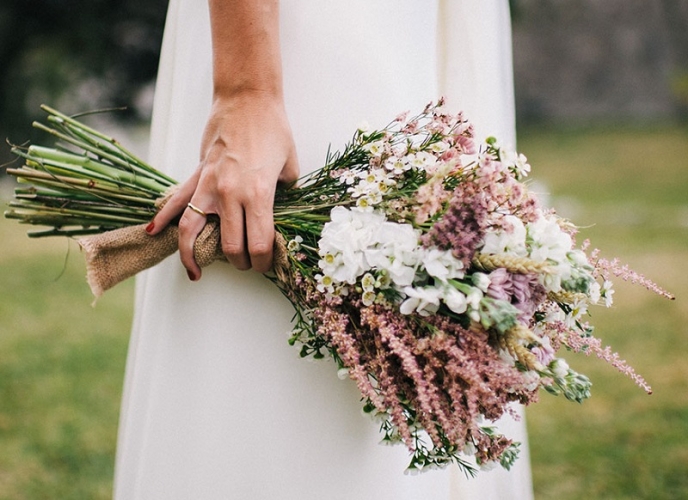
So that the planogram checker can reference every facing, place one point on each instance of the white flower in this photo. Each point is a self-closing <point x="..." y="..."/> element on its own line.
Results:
<point x="473" y="298"/>
<point x="578" y="258"/>
<point x="607" y="292"/>
<point x="469" y="449"/>
<point x="347" y="177"/>
<point x="376" y="148"/>
<point x="330" y="262"/>
<point x="376" y="176"/>
<point x="531" y="380"/>
<point x="488" y="466"/>
<point x="368" y="282"/>
<point x="358" y="190"/>
<point x="368" y="297"/>
<point x="396" y="165"/>
<point x="516" y="162"/>
<point x="422" y="160"/>
<point x="439" y="147"/>
<point x="396" y="252"/>
<point x="552" y="280"/>
<point x="578" y="309"/>
<point x="548" y="241"/>
<point x="295" y="244"/>
<point x="481" y="280"/>
<point x="507" y="242"/>
<point x="424" y="301"/>
<point x="441" y="264"/>
<point x="560" y="368"/>
<point x="455" y="300"/>
<point x="594" y="292"/>
<point x="325" y="283"/>
<point x="343" y="373"/>
<point x="349" y="233"/>
<point x="365" y="204"/>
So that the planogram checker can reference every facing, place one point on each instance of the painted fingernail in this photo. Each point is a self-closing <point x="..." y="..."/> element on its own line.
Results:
<point x="150" y="227"/>
<point x="191" y="275"/>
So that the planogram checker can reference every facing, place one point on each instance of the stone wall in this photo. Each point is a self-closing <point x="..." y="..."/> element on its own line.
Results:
<point x="586" y="60"/>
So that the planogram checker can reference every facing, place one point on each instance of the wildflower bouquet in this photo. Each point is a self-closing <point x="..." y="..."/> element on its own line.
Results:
<point x="416" y="258"/>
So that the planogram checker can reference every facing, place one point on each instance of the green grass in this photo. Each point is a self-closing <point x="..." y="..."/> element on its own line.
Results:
<point x="62" y="361"/>
<point x="630" y="189"/>
<point x="61" y="367"/>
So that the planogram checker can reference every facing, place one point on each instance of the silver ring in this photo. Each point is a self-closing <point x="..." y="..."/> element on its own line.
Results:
<point x="196" y="209"/>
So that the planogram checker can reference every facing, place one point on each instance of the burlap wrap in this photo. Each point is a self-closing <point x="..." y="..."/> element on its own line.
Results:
<point x="116" y="255"/>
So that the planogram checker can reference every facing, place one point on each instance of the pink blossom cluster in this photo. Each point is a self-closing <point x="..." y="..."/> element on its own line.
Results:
<point x="452" y="376"/>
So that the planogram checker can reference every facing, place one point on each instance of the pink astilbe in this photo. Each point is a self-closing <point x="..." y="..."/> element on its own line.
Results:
<point x="334" y="326"/>
<point x="605" y="268"/>
<point x="430" y="198"/>
<point x="588" y="344"/>
<point x="449" y="375"/>
<point x="462" y="226"/>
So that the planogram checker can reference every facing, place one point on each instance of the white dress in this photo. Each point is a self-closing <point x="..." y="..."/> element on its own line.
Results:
<point x="216" y="404"/>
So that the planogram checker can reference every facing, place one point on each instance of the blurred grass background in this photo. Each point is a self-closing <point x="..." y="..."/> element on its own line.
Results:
<point x="62" y="361"/>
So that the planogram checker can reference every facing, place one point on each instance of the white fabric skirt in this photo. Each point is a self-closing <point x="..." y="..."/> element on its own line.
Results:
<point x="216" y="404"/>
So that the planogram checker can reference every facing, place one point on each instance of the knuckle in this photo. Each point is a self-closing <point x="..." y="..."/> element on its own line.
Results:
<point x="259" y="249"/>
<point x="231" y="249"/>
<point x="185" y="224"/>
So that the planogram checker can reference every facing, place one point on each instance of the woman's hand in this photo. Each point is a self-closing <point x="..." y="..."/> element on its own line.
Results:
<point x="247" y="149"/>
<point x="247" y="146"/>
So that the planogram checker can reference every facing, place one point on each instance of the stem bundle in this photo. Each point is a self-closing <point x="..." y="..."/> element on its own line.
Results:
<point x="87" y="184"/>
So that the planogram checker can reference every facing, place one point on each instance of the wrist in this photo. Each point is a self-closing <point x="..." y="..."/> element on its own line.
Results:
<point x="247" y="90"/>
<point x="247" y="98"/>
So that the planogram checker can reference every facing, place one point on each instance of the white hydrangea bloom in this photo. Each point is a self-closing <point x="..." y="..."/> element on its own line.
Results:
<point x="345" y="238"/>
<point x="441" y="264"/>
<point x="507" y="242"/>
<point x="454" y="299"/>
<point x="356" y="241"/>
<point x="424" y="301"/>
<point x="547" y="241"/>
<point x="396" y="252"/>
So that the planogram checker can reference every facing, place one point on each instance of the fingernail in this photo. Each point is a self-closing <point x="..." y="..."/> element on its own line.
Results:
<point x="191" y="275"/>
<point x="150" y="227"/>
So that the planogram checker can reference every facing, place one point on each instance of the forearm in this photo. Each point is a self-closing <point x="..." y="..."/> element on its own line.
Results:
<point x="246" y="48"/>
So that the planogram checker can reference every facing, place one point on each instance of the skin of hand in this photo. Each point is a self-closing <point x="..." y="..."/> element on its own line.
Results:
<point x="247" y="147"/>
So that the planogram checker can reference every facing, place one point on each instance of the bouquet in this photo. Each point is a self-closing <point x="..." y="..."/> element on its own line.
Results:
<point x="416" y="258"/>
